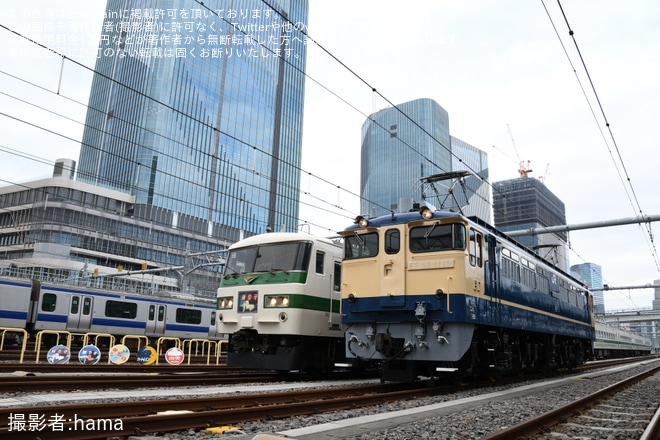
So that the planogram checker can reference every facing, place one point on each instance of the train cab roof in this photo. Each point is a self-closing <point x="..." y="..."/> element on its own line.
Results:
<point x="400" y="218"/>
<point x="277" y="237"/>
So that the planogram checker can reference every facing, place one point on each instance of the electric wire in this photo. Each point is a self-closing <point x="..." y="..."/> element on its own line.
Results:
<point x="128" y="141"/>
<point x="183" y="114"/>
<point x="631" y="190"/>
<point x="373" y="90"/>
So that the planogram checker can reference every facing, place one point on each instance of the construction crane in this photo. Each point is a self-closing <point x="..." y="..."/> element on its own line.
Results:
<point x="545" y="174"/>
<point x="523" y="166"/>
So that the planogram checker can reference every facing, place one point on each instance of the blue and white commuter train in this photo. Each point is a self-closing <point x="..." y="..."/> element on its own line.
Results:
<point x="34" y="306"/>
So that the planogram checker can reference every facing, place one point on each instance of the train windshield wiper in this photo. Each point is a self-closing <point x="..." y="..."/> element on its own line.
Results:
<point x="431" y="228"/>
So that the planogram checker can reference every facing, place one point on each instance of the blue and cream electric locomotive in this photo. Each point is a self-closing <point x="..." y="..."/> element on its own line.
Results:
<point x="430" y="292"/>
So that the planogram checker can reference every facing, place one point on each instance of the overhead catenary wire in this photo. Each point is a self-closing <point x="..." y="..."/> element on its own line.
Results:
<point x="629" y="189"/>
<point x="328" y="182"/>
<point x="254" y="147"/>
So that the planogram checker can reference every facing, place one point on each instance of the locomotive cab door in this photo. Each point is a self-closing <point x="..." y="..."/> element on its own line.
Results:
<point x="156" y="319"/>
<point x="80" y="312"/>
<point x="335" y="295"/>
<point x="394" y="276"/>
<point x="492" y="278"/>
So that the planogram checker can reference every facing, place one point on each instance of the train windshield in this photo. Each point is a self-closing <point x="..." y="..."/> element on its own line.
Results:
<point x="437" y="237"/>
<point x="293" y="256"/>
<point x="360" y="245"/>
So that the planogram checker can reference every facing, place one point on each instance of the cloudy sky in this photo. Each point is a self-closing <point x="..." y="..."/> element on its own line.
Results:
<point x="507" y="72"/>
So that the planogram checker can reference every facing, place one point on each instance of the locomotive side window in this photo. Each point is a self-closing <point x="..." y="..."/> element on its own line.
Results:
<point x="476" y="249"/>
<point x="48" y="302"/>
<point x="392" y="241"/>
<point x="437" y="237"/>
<point x="188" y="316"/>
<point x="120" y="309"/>
<point x="336" y="282"/>
<point x="320" y="258"/>
<point x="361" y="246"/>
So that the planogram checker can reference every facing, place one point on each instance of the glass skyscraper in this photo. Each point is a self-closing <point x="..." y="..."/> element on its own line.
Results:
<point x="592" y="275"/>
<point x="196" y="110"/>
<point x="402" y="144"/>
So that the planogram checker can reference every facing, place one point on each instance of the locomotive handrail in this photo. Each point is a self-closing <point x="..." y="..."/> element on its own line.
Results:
<point x="6" y="330"/>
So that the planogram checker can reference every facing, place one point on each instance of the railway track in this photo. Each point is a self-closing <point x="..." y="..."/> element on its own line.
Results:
<point x="140" y="417"/>
<point x="613" y="412"/>
<point x="13" y="384"/>
<point x="70" y="368"/>
<point x="149" y="416"/>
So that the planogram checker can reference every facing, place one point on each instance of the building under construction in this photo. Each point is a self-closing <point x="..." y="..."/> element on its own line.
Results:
<point x="525" y="203"/>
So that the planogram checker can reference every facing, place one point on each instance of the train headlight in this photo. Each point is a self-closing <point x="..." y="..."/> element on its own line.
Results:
<point x="277" y="301"/>
<point x="426" y="213"/>
<point x="225" y="303"/>
<point x="361" y="221"/>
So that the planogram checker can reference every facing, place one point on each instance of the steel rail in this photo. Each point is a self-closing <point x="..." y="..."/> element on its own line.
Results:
<point x="13" y="384"/>
<point x="233" y="410"/>
<point x="534" y="425"/>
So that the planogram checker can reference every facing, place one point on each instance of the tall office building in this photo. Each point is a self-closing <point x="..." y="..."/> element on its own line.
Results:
<point x="525" y="203"/>
<point x="402" y="144"/>
<point x="592" y="275"/>
<point x="196" y="110"/>
<point x="475" y="200"/>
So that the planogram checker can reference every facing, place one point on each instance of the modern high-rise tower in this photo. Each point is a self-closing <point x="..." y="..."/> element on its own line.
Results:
<point x="196" y="110"/>
<point x="402" y="144"/>
<point x="592" y="275"/>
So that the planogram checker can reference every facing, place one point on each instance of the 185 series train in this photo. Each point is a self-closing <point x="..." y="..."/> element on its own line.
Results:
<point x="279" y="301"/>
<point x="429" y="292"/>
<point x="614" y="342"/>
<point x="34" y="306"/>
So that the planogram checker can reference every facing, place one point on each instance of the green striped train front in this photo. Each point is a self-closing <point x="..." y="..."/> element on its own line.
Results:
<point x="279" y="303"/>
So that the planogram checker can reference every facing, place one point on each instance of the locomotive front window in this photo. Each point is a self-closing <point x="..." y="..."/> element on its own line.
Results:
<point x="361" y="246"/>
<point x="437" y="237"/>
<point x="266" y="258"/>
<point x="241" y="261"/>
